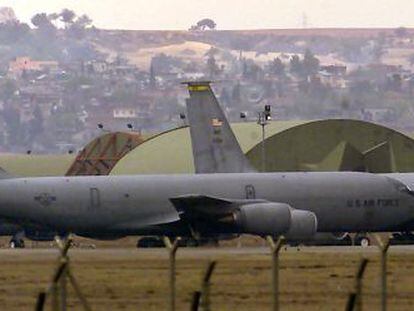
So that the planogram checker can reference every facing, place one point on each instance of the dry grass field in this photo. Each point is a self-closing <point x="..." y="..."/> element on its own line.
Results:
<point x="314" y="278"/>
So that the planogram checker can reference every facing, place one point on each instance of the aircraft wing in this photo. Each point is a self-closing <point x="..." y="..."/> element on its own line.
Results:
<point x="202" y="213"/>
<point x="194" y="206"/>
<point x="201" y="204"/>
<point x="207" y="214"/>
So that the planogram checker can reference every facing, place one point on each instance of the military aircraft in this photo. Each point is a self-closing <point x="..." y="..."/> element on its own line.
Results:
<point x="293" y="204"/>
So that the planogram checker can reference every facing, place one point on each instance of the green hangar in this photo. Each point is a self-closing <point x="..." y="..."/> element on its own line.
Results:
<point x="322" y="145"/>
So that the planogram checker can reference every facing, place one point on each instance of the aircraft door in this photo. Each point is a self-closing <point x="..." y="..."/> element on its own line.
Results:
<point x="250" y="192"/>
<point x="95" y="199"/>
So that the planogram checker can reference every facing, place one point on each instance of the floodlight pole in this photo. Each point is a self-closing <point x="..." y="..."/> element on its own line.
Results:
<point x="275" y="248"/>
<point x="263" y="122"/>
<point x="172" y="250"/>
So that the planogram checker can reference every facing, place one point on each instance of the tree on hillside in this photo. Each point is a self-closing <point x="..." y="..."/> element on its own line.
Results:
<point x="204" y="24"/>
<point x="78" y="27"/>
<point x="53" y="16"/>
<point x="7" y="89"/>
<point x="67" y="16"/>
<point x="295" y="65"/>
<point x="12" y="31"/>
<point x="400" y="32"/>
<point x="212" y="67"/>
<point x="310" y="63"/>
<point x="352" y="49"/>
<point x="11" y="117"/>
<point x="42" y="21"/>
<point x="152" y="78"/>
<point x="213" y="51"/>
<point x="277" y="67"/>
<point x="84" y="21"/>
<point x="36" y="124"/>
<point x="236" y="94"/>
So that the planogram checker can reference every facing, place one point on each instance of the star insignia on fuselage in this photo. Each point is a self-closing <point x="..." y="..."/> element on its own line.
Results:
<point x="45" y="199"/>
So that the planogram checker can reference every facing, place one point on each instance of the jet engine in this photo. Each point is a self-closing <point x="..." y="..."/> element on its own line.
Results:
<point x="275" y="219"/>
<point x="263" y="218"/>
<point x="303" y="225"/>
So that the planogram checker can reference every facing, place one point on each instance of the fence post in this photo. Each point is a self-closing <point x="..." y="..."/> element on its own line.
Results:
<point x="58" y="286"/>
<point x="205" y="288"/>
<point x="360" y="275"/>
<point x="64" y="246"/>
<point x="172" y="250"/>
<point x="275" y="248"/>
<point x="195" y="301"/>
<point x="383" y="246"/>
<point x="351" y="302"/>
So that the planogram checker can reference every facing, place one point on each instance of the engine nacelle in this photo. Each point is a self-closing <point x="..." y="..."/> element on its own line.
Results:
<point x="263" y="218"/>
<point x="303" y="226"/>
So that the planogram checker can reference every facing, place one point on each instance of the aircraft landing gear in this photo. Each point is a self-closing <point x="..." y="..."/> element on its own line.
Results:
<point x="363" y="241"/>
<point x="16" y="243"/>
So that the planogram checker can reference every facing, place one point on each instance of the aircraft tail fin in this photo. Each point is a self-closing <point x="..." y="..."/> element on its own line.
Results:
<point x="5" y="175"/>
<point x="215" y="147"/>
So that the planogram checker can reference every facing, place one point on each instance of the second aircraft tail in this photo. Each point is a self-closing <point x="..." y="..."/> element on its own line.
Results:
<point x="215" y="147"/>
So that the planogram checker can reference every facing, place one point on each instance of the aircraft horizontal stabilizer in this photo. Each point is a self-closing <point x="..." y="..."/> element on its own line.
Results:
<point x="4" y="174"/>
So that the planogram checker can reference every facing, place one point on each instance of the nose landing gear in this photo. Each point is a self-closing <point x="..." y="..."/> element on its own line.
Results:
<point x="16" y="242"/>
<point x="362" y="240"/>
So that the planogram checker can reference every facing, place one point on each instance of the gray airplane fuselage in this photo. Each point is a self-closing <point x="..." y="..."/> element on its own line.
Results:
<point x="134" y="205"/>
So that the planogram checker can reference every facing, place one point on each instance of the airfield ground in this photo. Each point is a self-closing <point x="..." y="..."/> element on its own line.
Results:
<point x="314" y="278"/>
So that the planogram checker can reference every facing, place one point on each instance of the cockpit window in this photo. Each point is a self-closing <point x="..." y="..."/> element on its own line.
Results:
<point x="399" y="186"/>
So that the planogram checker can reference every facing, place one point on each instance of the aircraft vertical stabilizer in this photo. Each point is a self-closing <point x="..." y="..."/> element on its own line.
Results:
<point x="215" y="148"/>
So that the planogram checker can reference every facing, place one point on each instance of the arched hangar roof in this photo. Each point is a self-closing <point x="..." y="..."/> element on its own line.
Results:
<point x="337" y="145"/>
<point x="170" y="152"/>
<point x="100" y="155"/>
<point x="34" y="165"/>
<point x="324" y="145"/>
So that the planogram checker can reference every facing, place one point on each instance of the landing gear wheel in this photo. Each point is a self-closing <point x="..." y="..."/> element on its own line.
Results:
<point x="16" y="243"/>
<point x="364" y="242"/>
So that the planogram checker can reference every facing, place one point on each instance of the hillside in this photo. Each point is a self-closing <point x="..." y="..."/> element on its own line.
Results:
<point x="339" y="46"/>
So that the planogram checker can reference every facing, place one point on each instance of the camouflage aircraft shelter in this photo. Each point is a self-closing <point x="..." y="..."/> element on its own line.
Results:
<point x="101" y="154"/>
<point x="170" y="152"/>
<point x="326" y="145"/>
<point x="337" y="145"/>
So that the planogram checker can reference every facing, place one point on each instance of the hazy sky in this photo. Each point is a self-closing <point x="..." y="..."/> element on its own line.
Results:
<point x="228" y="14"/>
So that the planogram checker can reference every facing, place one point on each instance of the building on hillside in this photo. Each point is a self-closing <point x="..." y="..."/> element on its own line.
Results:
<point x="21" y="64"/>
<point x="336" y="70"/>
<point x="333" y="75"/>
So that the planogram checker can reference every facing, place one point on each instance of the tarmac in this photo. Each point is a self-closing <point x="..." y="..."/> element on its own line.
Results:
<point x="127" y="278"/>
<point x="199" y="252"/>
